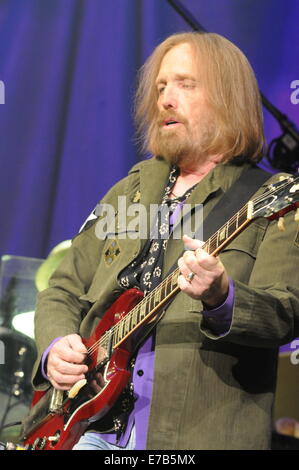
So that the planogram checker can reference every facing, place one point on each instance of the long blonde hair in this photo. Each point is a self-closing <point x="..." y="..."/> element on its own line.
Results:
<point x="232" y="93"/>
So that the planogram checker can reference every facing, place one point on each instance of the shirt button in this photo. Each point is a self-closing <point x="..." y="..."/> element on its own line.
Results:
<point x="140" y="372"/>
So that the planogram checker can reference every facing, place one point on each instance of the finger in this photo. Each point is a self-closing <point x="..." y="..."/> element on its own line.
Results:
<point x="191" y="263"/>
<point x="76" y="343"/>
<point x="63" y="387"/>
<point x="64" y="380"/>
<point x="64" y="351"/>
<point x="59" y="387"/>
<point x="200" y="259"/>
<point x="206" y="261"/>
<point x="183" y="267"/>
<point x="66" y="368"/>
<point x="190" y="260"/>
<point x="192" y="243"/>
<point x="183" y="284"/>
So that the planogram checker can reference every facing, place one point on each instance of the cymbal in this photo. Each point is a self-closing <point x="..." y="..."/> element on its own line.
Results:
<point x="48" y="267"/>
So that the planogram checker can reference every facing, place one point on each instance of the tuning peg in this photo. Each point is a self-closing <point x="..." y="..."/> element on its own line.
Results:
<point x="280" y="224"/>
<point x="297" y="215"/>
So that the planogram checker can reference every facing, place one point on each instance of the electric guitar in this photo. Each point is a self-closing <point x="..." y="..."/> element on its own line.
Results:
<point x="58" y="419"/>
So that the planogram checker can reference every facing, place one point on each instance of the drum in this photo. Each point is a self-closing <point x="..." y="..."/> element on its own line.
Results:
<point x="17" y="356"/>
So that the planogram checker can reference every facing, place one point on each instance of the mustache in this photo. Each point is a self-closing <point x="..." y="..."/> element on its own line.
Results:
<point x="170" y="115"/>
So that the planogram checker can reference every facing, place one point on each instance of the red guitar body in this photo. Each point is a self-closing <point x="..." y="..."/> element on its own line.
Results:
<point x="61" y="431"/>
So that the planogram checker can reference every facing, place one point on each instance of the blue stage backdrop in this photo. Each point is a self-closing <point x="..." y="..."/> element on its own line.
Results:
<point x="67" y="70"/>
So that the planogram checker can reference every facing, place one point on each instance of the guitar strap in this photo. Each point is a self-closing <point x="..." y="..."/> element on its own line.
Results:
<point x="231" y="202"/>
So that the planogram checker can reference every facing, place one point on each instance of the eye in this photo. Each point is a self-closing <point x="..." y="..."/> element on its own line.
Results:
<point x="161" y="88"/>
<point x="188" y="84"/>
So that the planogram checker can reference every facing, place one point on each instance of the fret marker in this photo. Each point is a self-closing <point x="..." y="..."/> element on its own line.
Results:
<point x="222" y="235"/>
<point x="249" y="210"/>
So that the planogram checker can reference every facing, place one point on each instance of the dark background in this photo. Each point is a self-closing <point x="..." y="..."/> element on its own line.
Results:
<point x="69" y="70"/>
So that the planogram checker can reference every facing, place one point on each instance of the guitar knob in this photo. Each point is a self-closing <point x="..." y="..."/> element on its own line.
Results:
<point x="53" y="439"/>
<point x="280" y="224"/>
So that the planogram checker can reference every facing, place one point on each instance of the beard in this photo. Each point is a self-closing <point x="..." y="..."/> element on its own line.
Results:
<point x="181" y="145"/>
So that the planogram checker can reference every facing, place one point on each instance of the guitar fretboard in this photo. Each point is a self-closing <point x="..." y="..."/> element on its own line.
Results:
<point x="159" y="296"/>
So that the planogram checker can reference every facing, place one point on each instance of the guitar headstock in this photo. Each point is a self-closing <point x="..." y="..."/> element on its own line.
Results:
<point x="278" y="199"/>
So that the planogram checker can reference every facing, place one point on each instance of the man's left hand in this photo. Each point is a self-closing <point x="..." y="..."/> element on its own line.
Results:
<point x="210" y="282"/>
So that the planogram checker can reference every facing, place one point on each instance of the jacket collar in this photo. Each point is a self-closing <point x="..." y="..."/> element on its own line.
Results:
<point x="154" y="177"/>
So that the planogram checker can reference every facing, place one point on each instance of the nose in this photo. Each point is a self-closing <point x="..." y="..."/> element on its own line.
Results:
<point x="168" y="99"/>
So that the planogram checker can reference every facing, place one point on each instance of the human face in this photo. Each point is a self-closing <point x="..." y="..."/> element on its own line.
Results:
<point x="184" y="121"/>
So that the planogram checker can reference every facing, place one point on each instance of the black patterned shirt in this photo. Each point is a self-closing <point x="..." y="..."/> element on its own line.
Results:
<point x="145" y="271"/>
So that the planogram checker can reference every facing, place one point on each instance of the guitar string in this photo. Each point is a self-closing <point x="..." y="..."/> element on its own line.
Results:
<point x="149" y="297"/>
<point x="208" y="243"/>
<point x="156" y="293"/>
<point x="113" y="330"/>
<point x="162" y="285"/>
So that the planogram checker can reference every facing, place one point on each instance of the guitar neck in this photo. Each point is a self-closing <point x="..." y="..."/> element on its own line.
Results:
<point x="229" y="230"/>
<point x="159" y="296"/>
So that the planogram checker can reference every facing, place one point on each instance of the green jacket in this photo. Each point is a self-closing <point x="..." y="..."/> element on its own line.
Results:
<point x="209" y="392"/>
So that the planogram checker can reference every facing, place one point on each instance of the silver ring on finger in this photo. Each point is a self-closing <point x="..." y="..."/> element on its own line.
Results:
<point x="190" y="276"/>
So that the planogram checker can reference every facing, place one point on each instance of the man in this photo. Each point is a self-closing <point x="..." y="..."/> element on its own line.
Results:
<point x="204" y="377"/>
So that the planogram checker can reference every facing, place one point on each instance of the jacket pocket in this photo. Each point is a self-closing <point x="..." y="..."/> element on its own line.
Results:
<point x="116" y="254"/>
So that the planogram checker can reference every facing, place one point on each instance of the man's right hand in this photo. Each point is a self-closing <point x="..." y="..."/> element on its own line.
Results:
<point x="65" y="362"/>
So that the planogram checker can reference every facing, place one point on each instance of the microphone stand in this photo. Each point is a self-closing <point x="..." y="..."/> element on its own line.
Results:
<point x="283" y="152"/>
